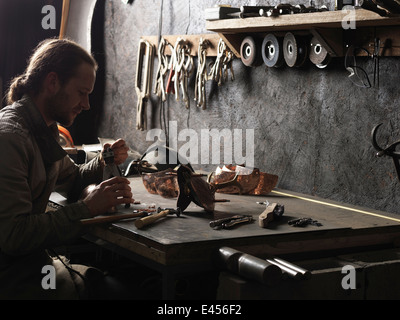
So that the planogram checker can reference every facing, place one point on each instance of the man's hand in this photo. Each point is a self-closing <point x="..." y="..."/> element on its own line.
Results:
<point x="112" y="192"/>
<point x="120" y="150"/>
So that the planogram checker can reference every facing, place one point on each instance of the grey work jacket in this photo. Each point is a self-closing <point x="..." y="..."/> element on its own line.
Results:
<point x="32" y="165"/>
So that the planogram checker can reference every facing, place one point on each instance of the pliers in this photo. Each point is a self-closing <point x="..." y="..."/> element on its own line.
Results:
<point x="227" y="223"/>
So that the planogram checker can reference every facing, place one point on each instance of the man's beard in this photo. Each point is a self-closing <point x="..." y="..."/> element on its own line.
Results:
<point x="58" y="110"/>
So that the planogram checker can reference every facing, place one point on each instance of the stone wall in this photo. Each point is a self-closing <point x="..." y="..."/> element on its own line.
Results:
<point x="311" y="126"/>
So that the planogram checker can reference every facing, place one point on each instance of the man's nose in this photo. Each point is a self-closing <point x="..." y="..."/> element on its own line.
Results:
<point x="85" y="104"/>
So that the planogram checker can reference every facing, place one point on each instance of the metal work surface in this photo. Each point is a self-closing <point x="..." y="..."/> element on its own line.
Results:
<point x="189" y="238"/>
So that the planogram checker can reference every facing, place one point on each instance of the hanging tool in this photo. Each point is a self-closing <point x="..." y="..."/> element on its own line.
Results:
<point x="143" y="81"/>
<point x="201" y="75"/>
<point x="388" y="151"/>
<point x="162" y="69"/>
<point x="140" y="223"/>
<point x="223" y="62"/>
<point x="375" y="57"/>
<point x="181" y="67"/>
<point x="184" y="74"/>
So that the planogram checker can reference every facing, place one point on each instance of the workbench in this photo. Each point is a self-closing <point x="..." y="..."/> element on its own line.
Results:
<point x="187" y="244"/>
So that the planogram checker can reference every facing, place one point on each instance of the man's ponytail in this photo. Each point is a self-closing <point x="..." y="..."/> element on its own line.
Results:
<point x="17" y="89"/>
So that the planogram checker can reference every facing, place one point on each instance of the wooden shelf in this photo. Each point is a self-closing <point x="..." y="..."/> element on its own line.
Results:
<point x="326" y="24"/>
<point x="301" y="21"/>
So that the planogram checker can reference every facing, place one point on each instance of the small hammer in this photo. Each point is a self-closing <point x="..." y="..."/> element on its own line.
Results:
<point x="140" y="223"/>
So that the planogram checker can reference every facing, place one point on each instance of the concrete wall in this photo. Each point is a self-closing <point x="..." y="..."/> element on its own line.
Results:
<point x="311" y="126"/>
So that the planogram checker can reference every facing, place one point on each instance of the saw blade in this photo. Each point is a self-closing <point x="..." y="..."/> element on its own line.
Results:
<point x="318" y="54"/>
<point x="250" y="52"/>
<point x="271" y="51"/>
<point x="294" y="50"/>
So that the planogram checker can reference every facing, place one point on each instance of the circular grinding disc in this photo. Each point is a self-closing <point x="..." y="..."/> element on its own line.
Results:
<point x="271" y="50"/>
<point x="250" y="52"/>
<point x="318" y="54"/>
<point x="294" y="50"/>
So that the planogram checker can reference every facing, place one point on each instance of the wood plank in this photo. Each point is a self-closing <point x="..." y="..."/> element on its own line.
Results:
<point x="192" y="40"/>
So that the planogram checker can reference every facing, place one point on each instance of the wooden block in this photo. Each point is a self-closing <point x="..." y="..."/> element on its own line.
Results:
<point x="267" y="216"/>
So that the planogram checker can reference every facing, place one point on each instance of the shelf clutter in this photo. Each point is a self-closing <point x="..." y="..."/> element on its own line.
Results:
<point x="287" y="34"/>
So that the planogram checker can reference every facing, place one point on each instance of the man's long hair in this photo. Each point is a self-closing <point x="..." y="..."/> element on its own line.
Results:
<point x="61" y="56"/>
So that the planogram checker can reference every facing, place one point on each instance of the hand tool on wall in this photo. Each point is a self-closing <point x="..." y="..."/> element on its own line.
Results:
<point x="145" y="59"/>
<point x="248" y="266"/>
<point x="357" y="73"/>
<point x="162" y="69"/>
<point x="272" y="212"/>
<point x="181" y="67"/>
<point x="375" y="57"/>
<point x="201" y="74"/>
<point x="223" y="62"/>
<point x="141" y="223"/>
<point x="389" y="151"/>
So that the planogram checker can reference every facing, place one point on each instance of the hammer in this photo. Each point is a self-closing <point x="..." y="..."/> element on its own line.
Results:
<point x="140" y="223"/>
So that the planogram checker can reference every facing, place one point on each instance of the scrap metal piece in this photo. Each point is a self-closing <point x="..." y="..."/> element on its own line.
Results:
<point x="164" y="183"/>
<point x="236" y="179"/>
<point x="302" y="222"/>
<point x="192" y="187"/>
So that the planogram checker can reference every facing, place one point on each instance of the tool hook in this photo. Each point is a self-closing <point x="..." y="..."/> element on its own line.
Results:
<point x="388" y="151"/>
